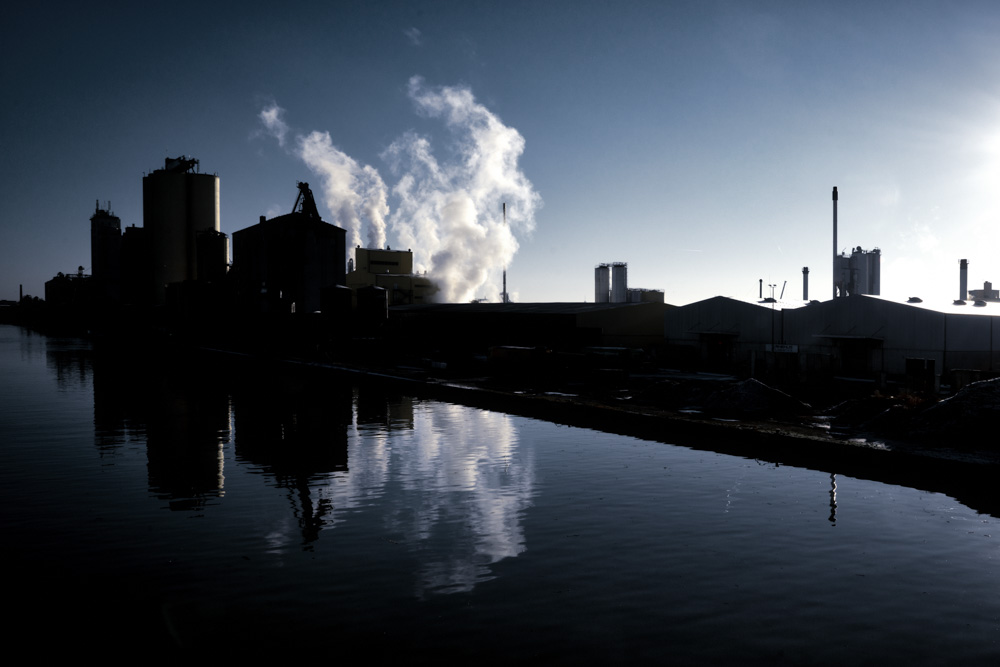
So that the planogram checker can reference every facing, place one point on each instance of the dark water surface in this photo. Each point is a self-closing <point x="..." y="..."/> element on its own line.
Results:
<point x="163" y="503"/>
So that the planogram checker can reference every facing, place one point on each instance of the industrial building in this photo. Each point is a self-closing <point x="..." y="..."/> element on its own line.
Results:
<point x="564" y="326"/>
<point x="392" y="271"/>
<point x="611" y="286"/>
<point x="857" y="334"/>
<point x="285" y="264"/>
<point x="860" y="336"/>
<point x="859" y="273"/>
<point x="180" y="210"/>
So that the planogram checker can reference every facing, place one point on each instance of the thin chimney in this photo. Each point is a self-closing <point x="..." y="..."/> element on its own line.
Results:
<point x="835" y="242"/>
<point x="963" y="279"/>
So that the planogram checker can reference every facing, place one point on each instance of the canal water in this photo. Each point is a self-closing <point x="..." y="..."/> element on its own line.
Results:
<point x="158" y="504"/>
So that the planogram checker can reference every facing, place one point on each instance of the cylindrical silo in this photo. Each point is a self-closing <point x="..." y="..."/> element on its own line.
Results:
<point x="619" y="282"/>
<point x="177" y="204"/>
<point x="602" y="283"/>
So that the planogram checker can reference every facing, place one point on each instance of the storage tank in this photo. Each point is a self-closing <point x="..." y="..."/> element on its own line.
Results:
<point x="602" y="283"/>
<point x="619" y="282"/>
<point x="105" y="252"/>
<point x="177" y="204"/>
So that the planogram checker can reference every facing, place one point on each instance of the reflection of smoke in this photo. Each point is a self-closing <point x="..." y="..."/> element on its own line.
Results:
<point x="449" y="211"/>
<point x="351" y="191"/>
<point x="472" y="485"/>
<point x="456" y="478"/>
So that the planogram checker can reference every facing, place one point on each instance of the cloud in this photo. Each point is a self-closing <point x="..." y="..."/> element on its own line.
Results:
<point x="415" y="36"/>
<point x="272" y="118"/>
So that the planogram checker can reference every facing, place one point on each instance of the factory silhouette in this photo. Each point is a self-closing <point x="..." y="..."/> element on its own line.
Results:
<point x="292" y="291"/>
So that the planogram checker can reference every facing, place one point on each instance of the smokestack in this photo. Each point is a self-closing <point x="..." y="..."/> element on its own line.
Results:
<point x="805" y="283"/>
<point x="835" y="241"/>
<point x="963" y="279"/>
<point x="505" y="297"/>
<point x="761" y="288"/>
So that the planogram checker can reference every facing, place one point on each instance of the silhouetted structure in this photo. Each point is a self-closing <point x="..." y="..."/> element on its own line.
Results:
<point x="392" y="270"/>
<point x="105" y="253"/>
<point x="136" y="267"/>
<point x="858" y="336"/>
<point x="284" y="264"/>
<point x="180" y="210"/>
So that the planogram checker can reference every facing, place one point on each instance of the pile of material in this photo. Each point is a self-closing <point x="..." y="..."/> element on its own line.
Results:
<point x="961" y="421"/>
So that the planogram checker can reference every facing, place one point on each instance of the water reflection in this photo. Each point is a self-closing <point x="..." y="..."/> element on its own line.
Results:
<point x="293" y="428"/>
<point x="461" y="478"/>
<point x="348" y="514"/>
<point x="833" y="498"/>
<point x="175" y="406"/>
<point x="450" y="484"/>
<point x="69" y="360"/>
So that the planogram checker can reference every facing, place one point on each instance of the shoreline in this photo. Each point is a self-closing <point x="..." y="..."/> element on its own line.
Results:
<point x="970" y="477"/>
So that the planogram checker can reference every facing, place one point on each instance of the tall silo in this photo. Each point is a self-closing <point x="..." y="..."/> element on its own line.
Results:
<point x="105" y="252"/>
<point x="619" y="282"/>
<point x="178" y="203"/>
<point x="602" y="283"/>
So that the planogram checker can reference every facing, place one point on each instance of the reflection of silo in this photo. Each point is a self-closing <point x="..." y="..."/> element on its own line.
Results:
<point x="177" y="204"/>
<point x="602" y="283"/>
<point x="619" y="282"/>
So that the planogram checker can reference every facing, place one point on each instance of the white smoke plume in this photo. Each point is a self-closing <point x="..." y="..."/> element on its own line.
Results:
<point x="274" y="123"/>
<point x="449" y="211"/>
<point x="450" y="214"/>
<point x="353" y="192"/>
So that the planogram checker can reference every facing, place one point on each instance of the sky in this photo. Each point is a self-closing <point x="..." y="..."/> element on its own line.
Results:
<point x="697" y="141"/>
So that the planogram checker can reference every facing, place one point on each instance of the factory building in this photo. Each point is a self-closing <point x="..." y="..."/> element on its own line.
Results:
<point x="180" y="209"/>
<point x="859" y="273"/>
<point x="862" y="337"/>
<point x="392" y="271"/>
<point x="562" y="326"/>
<point x="285" y="264"/>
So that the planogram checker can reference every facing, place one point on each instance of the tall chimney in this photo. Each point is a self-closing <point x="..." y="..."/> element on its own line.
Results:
<point x="504" y="296"/>
<point x="835" y="242"/>
<point x="963" y="279"/>
<point x="805" y="283"/>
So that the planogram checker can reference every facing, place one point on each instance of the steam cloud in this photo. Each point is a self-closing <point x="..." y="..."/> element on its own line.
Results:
<point x="351" y="191"/>
<point x="448" y="212"/>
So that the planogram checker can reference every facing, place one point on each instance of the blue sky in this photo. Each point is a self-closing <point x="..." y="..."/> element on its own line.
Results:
<point x="697" y="141"/>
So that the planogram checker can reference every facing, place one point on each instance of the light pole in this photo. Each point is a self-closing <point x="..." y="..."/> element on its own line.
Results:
<point x="772" y="315"/>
